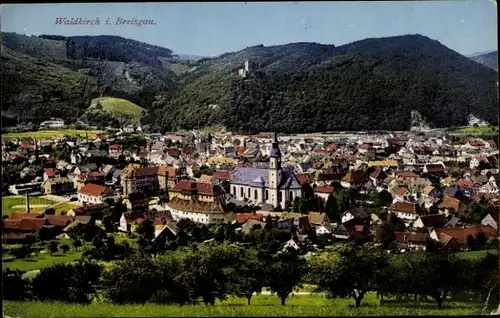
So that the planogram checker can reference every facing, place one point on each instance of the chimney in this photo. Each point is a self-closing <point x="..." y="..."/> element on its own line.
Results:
<point x="27" y="201"/>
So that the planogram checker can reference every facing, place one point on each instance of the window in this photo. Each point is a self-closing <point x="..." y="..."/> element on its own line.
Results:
<point x="279" y="196"/>
<point x="234" y="190"/>
<point x="248" y="192"/>
<point x="267" y="195"/>
<point x="256" y="195"/>
<point x="291" y="195"/>
<point x="241" y="191"/>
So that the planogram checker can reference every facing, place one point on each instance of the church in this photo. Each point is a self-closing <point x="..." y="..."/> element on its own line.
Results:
<point x="273" y="185"/>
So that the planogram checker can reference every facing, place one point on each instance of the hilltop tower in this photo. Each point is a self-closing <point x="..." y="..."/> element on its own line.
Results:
<point x="275" y="173"/>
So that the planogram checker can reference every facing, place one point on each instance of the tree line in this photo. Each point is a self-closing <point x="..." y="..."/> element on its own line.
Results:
<point x="210" y="272"/>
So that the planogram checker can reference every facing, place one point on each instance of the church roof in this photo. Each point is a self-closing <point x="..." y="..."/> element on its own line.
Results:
<point x="259" y="177"/>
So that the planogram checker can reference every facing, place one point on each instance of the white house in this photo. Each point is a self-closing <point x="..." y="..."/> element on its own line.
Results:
<point x="94" y="194"/>
<point x="491" y="219"/>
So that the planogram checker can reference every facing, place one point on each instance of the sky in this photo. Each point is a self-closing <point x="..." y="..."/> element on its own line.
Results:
<point x="212" y="28"/>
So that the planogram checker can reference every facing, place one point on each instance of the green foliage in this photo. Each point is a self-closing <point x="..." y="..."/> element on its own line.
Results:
<point x="53" y="247"/>
<point x="67" y="282"/>
<point x="332" y="209"/>
<point x="64" y="248"/>
<point x="15" y="287"/>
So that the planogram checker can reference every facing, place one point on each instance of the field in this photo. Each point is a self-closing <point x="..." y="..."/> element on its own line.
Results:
<point x="9" y="202"/>
<point x="477" y="130"/>
<point x="476" y="254"/>
<point x="64" y="207"/>
<point x="42" y="260"/>
<point x="50" y="134"/>
<point x="118" y="107"/>
<point x="262" y="305"/>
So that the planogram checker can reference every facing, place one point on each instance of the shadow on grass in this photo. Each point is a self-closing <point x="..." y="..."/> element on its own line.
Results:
<point x="424" y="305"/>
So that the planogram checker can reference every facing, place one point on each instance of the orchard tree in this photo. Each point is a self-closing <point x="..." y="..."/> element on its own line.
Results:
<point x="284" y="273"/>
<point x="251" y="275"/>
<point x="332" y="209"/>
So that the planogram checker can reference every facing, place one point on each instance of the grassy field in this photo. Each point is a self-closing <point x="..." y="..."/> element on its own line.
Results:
<point x="50" y="134"/>
<point x="64" y="207"/>
<point x="9" y="202"/>
<point x="477" y="130"/>
<point x="476" y="254"/>
<point x="42" y="260"/>
<point x="118" y="107"/>
<point x="262" y="305"/>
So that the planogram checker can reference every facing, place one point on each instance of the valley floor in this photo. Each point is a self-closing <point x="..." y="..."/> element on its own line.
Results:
<point x="261" y="305"/>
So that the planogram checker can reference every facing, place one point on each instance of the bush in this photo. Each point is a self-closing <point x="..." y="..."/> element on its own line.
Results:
<point x="15" y="287"/>
<point x="67" y="282"/>
<point x="52" y="247"/>
<point x="65" y="248"/>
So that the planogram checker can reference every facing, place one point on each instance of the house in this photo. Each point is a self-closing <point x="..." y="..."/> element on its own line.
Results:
<point x="411" y="240"/>
<point x="95" y="177"/>
<point x="431" y="195"/>
<point x="241" y="218"/>
<point x="430" y="221"/>
<point x="52" y="123"/>
<point x="197" y="191"/>
<point x="251" y="224"/>
<point x="324" y="191"/>
<point x="115" y="150"/>
<point x="356" y="212"/>
<point x="449" y="205"/>
<point x="59" y="186"/>
<point x="460" y="234"/>
<point x="491" y="219"/>
<point x="354" y="178"/>
<point x="406" y="211"/>
<point x="437" y="169"/>
<point x="290" y="244"/>
<point x="477" y="160"/>
<point x="468" y="187"/>
<point x="403" y="195"/>
<point x="320" y="222"/>
<point x="453" y="192"/>
<point x="377" y="177"/>
<point x="94" y="193"/>
<point x="357" y="230"/>
<point x="88" y="210"/>
<point x="136" y="201"/>
<point x="367" y="149"/>
<point x="146" y="179"/>
<point x="128" y="219"/>
<point x="221" y="176"/>
<point x="199" y="211"/>
<point x="406" y="176"/>
<point x="50" y="173"/>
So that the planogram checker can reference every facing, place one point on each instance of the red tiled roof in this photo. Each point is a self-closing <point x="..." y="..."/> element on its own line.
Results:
<point x="174" y="152"/>
<point x="59" y="220"/>
<point x="460" y="234"/>
<point x="466" y="184"/>
<point x="89" y="208"/>
<point x="195" y="207"/>
<point x="31" y="224"/>
<point x="355" y="176"/>
<point x="406" y="207"/>
<point x="202" y="188"/>
<point x="115" y="147"/>
<point x="401" y="191"/>
<point x="222" y="174"/>
<point x="304" y="178"/>
<point x="188" y="150"/>
<point x="449" y="202"/>
<point x="133" y="216"/>
<point x="406" y="174"/>
<point x="143" y="172"/>
<point x="241" y="149"/>
<point x="405" y="237"/>
<point x="243" y="217"/>
<point x="21" y="215"/>
<point x="95" y="190"/>
<point x="331" y="147"/>
<point x="326" y="189"/>
<point x="50" y="172"/>
<point x="366" y="146"/>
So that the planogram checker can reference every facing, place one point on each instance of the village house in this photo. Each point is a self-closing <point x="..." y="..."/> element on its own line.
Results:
<point x="491" y="219"/>
<point x="324" y="192"/>
<point x="450" y="205"/>
<point x="50" y="173"/>
<point x="115" y="150"/>
<point x="460" y="234"/>
<point x="94" y="194"/>
<point x="409" y="212"/>
<point x="59" y="186"/>
<point x="136" y="201"/>
<point x="430" y="221"/>
<point x="411" y="240"/>
<point x="129" y="220"/>
<point x="320" y="222"/>
<point x="88" y="210"/>
<point x="354" y="179"/>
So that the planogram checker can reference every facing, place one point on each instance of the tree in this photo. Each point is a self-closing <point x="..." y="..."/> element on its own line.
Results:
<point x="332" y="209"/>
<point x="351" y="272"/>
<point x="250" y="278"/>
<point x="146" y="230"/>
<point x="471" y="242"/>
<point x="22" y="252"/>
<point x="481" y="240"/>
<point x="50" y="211"/>
<point x="67" y="282"/>
<point x="284" y="273"/>
<point x="15" y="287"/>
<point x="385" y="234"/>
<point x="53" y="247"/>
<point x="65" y="248"/>
<point x="383" y="198"/>
<point x="77" y="243"/>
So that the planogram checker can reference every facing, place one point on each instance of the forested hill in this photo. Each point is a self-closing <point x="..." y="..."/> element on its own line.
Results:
<point x="369" y="84"/>
<point x="297" y="87"/>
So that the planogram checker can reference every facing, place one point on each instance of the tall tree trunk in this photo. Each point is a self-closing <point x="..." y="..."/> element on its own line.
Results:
<point x="283" y="299"/>
<point x="358" y="301"/>
<point x="249" y="297"/>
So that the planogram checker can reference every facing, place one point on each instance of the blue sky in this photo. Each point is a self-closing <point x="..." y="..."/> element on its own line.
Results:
<point x="211" y="29"/>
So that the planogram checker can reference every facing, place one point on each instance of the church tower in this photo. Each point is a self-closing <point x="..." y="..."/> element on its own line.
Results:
<point x="274" y="173"/>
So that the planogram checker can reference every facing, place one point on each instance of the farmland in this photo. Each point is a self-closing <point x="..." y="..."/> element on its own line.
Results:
<point x="50" y="134"/>
<point x="261" y="305"/>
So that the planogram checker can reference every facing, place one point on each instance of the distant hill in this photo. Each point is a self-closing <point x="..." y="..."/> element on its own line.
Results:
<point x="488" y="59"/>
<point x="116" y="107"/>
<point x="369" y="84"/>
<point x="189" y="57"/>
<point x="298" y="87"/>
